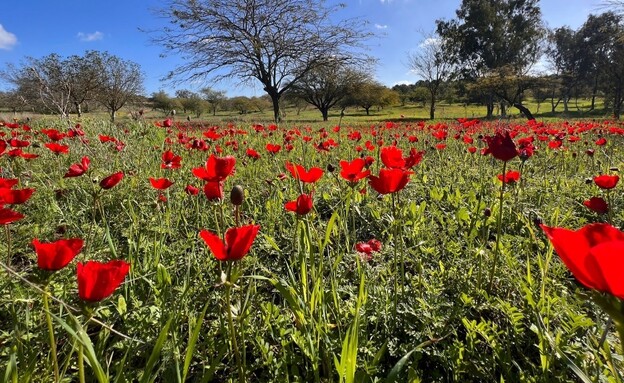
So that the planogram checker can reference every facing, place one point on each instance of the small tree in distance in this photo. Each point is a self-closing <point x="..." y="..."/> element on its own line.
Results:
<point x="433" y="66"/>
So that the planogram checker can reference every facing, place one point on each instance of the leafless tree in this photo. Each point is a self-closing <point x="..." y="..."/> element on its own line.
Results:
<point x="433" y="66"/>
<point x="44" y="80"/>
<point x="121" y="82"/>
<point x="275" y="42"/>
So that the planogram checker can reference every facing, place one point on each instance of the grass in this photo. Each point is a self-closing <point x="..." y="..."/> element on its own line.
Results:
<point x="303" y="304"/>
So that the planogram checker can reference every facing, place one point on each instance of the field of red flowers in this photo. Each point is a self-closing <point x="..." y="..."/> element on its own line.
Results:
<point x="462" y="251"/>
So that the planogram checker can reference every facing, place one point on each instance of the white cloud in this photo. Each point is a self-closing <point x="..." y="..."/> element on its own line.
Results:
<point x="7" y="39"/>
<point x="379" y="26"/>
<point x="95" y="36"/>
<point x="403" y="82"/>
<point x="386" y="1"/>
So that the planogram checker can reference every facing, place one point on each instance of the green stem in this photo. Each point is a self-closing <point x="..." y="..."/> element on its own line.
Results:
<point x="46" y="307"/>
<point x="81" y="374"/>
<point x="8" y="239"/>
<point x="498" y="228"/>
<point x="228" y="299"/>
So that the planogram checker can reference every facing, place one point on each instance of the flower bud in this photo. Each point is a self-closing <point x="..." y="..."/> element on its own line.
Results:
<point x="237" y="195"/>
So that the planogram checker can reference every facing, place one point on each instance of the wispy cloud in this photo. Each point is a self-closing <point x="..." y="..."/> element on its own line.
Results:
<point x="379" y="26"/>
<point x="385" y="1"/>
<point x="7" y="39"/>
<point x="430" y="41"/>
<point x="95" y="36"/>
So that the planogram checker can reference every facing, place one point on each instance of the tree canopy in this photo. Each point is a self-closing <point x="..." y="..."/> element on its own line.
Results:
<point x="275" y="42"/>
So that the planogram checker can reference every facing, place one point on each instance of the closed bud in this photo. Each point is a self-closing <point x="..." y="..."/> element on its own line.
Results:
<point x="237" y="195"/>
<point x="487" y="212"/>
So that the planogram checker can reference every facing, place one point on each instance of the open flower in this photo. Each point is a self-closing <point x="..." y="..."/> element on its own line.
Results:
<point x="97" y="281"/>
<point x="300" y="173"/>
<point x="76" y="170"/>
<point x="238" y="241"/>
<point x="511" y="177"/>
<point x="54" y="256"/>
<point x="606" y="181"/>
<point x="593" y="254"/>
<point x="389" y="180"/>
<point x="216" y="168"/>
<point x="353" y="171"/>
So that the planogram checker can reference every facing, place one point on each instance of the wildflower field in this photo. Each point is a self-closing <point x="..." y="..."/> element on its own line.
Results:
<point x="461" y="251"/>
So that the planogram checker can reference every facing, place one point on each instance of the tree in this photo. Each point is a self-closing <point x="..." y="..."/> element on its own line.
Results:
<point x="85" y="78"/>
<point x="368" y="94"/>
<point x="490" y="38"/>
<point x="326" y="86"/>
<point x="163" y="102"/>
<point x="214" y="98"/>
<point x="122" y="81"/>
<point x="599" y="66"/>
<point x="275" y="42"/>
<point x="46" y="80"/>
<point x="434" y="66"/>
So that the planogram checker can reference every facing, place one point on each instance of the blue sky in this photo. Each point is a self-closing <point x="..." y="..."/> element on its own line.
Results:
<point x="39" y="27"/>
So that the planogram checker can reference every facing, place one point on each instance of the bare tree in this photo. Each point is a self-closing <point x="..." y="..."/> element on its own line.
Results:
<point x="275" y="42"/>
<point x="44" y="80"/>
<point x="433" y="66"/>
<point x="121" y="82"/>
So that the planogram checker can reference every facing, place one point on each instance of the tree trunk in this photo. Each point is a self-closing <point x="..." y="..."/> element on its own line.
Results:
<point x="432" y="108"/>
<point x="78" y="109"/>
<point x="503" y="109"/>
<point x="367" y="110"/>
<point x="524" y="110"/>
<point x="275" y="98"/>
<point x="325" y="113"/>
<point x="113" y="115"/>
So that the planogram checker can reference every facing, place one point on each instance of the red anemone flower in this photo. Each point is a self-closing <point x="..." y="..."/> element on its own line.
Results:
<point x="601" y="141"/>
<point x="511" y="177"/>
<point x="389" y="180"/>
<point x="273" y="148"/>
<point x="302" y="205"/>
<point x="15" y="197"/>
<point x="597" y="204"/>
<point x="170" y="160"/>
<point x="77" y="170"/>
<point x="8" y="182"/>
<point x="213" y="190"/>
<point x="251" y="153"/>
<point x="216" y="168"/>
<point x="54" y="256"/>
<point x="97" y="281"/>
<point x="9" y="216"/>
<point x="606" y="181"/>
<point x="392" y="157"/>
<point x="191" y="190"/>
<point x="57" y="148"/>
<point x="160" y="183"/>
<point x="501" y="146"/>
<point x="354" y="171"/>
<point x="593" y="254"/>
<point x="299" y="173"/>
<point x="111" y="180"/>
<point x="238" y="241"/>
